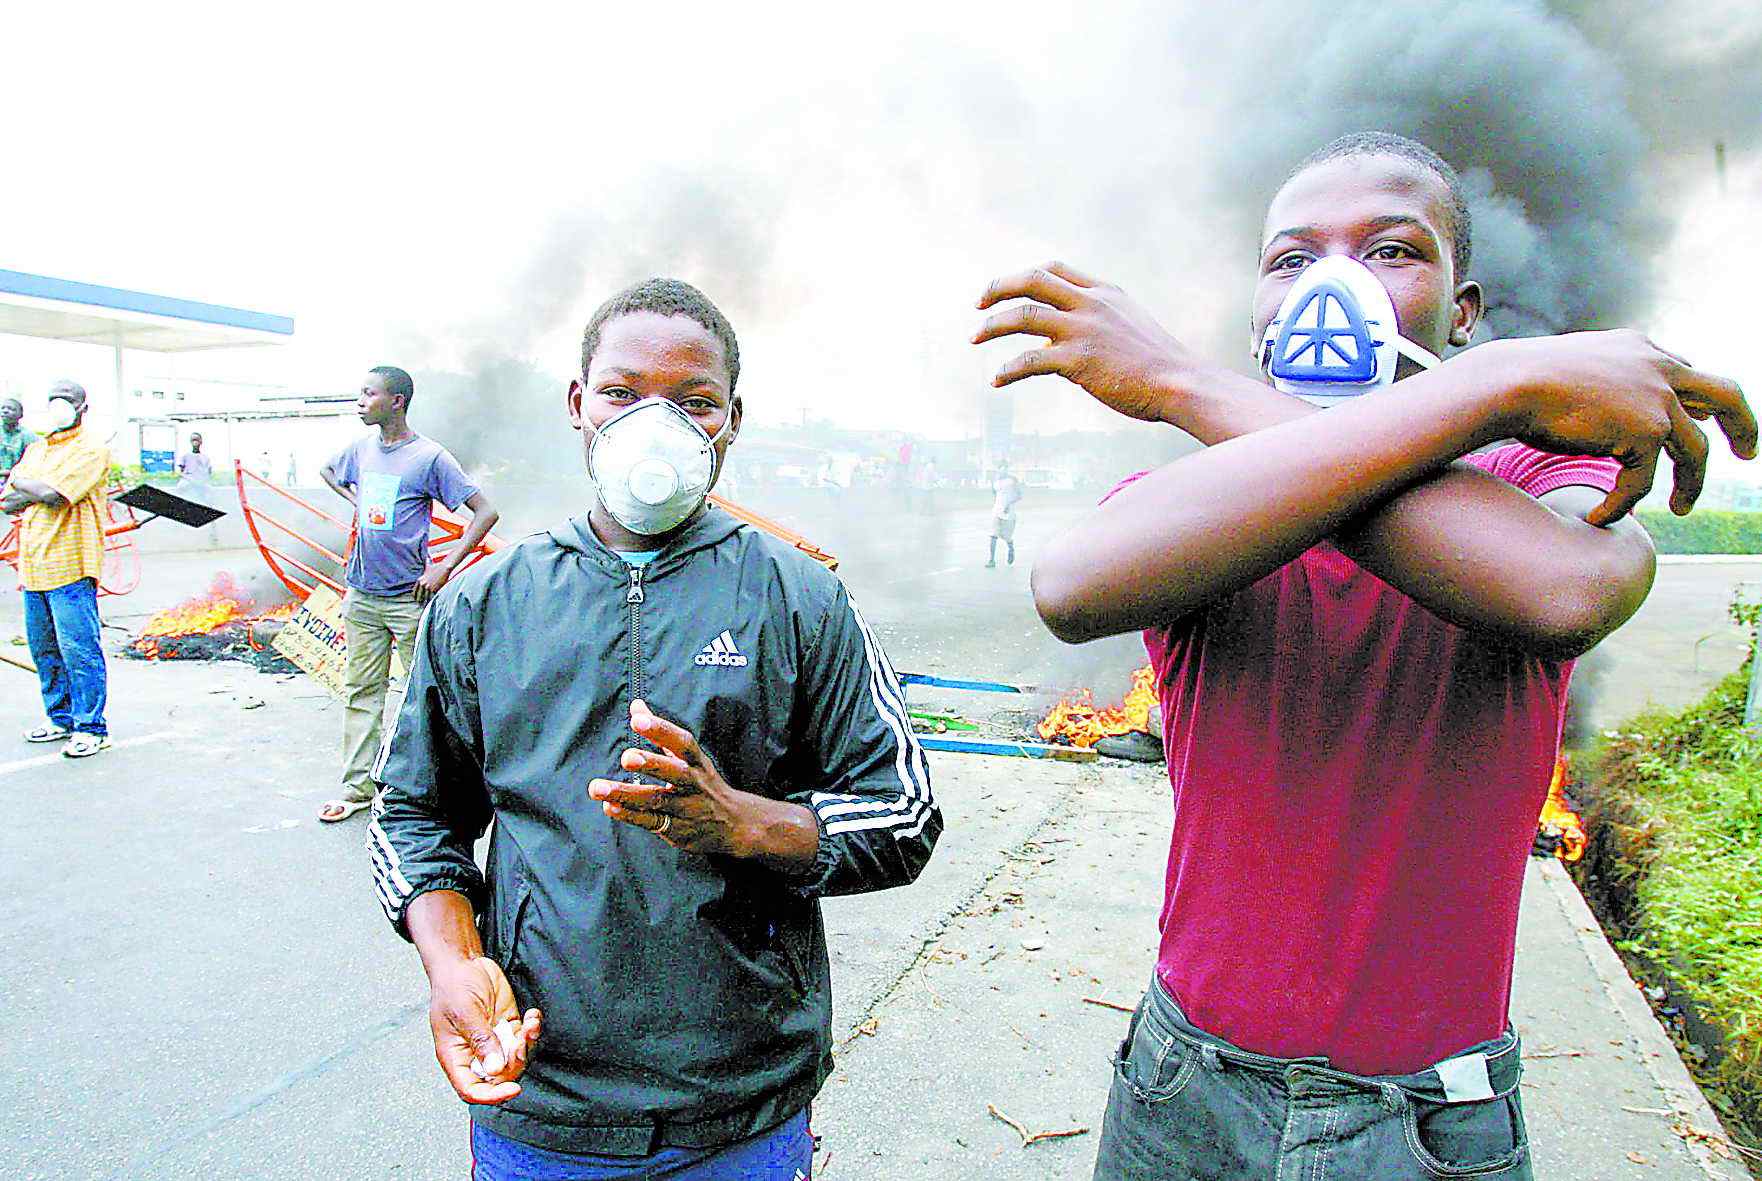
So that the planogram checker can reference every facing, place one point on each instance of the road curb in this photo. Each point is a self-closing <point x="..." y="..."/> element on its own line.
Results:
<point x="1709" y="559"/>
<point x="1647" y="1038"/>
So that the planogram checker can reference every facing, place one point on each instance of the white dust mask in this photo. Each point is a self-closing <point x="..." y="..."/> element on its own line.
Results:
<point x="1335" y="335"/>
<point x="60" y="415"/>
<point x="652" y="465"/>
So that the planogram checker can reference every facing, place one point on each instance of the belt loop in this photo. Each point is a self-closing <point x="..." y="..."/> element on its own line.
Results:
<point x="1213" y="1059"/>
<point x="1392" y="1097"/>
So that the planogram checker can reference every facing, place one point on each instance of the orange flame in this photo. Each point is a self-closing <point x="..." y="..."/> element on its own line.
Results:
<point x="1558" y="818"/>
<point x="1081" y="723"/>
<point x="224" y="602"/>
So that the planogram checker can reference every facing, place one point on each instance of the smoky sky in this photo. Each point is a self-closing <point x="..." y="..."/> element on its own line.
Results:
<point x="1148" y="158"/>
<point x="1530" y="111"/>
<point x="850" y="227"/>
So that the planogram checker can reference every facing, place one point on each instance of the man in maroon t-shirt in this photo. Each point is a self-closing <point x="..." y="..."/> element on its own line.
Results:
<point x="1363" y="625"/>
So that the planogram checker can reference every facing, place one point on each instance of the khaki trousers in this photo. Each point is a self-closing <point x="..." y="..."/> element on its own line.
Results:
<point x="372" y="623"/>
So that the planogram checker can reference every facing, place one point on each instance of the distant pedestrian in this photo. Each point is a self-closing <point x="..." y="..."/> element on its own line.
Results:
<point x="14" y="438"/>
<point x="195" y="467"/>
<point x="1007" y="492"/>
<point x="393" y="479"/>
<point x="58" y="486"/>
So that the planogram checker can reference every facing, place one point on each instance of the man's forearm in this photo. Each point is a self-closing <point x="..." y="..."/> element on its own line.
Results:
<point x="1465" y="544"/>
<point x="336" y="486"/>
<point x="38" y="492"/>
<point x="443" y="928"/>
<point x="482" y="521"/>
<point x="1222" y="405"/>
<point x="1214" y="522"/>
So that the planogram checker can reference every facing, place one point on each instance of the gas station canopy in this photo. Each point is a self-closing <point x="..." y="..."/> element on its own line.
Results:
<point x="86" y="313"/>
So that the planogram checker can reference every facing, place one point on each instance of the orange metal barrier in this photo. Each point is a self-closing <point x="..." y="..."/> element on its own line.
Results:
<point x="299" y="574"/>
<point x="775" y="530"/>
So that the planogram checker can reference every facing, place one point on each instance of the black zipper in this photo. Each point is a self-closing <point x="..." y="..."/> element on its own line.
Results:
<point x="633" y="599"/>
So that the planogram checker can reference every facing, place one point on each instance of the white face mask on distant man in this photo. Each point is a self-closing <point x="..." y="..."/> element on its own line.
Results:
<point x="60" y="415"/>
<point x="1335" y="335"/>
<point x="652" y="466"/>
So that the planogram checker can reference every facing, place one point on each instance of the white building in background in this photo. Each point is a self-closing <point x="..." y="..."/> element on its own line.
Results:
<point x="282" y="436"/>
<point x="149" y="420"/>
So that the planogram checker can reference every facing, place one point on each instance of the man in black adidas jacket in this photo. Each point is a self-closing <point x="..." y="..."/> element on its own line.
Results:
<point x="685" y="739"/>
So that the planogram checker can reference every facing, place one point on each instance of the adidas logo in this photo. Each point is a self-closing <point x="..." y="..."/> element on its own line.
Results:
<point x="721" y="652"/>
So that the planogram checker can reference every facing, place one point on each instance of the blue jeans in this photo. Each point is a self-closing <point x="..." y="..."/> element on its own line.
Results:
<point x="62" y="628"/>
<point x="785" y="1153"/>
<point x="1187" y="1105"/>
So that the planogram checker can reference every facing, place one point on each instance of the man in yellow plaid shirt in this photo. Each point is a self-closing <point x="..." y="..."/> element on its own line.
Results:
<point x="58" y="486"/>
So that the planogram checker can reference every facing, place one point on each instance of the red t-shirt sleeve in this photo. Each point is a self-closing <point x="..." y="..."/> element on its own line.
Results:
<point x="1539" y="473"/>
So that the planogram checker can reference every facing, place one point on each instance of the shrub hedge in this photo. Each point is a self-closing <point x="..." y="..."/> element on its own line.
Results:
<point x="1704" y="531"/>
<point x="1680" y="800"/>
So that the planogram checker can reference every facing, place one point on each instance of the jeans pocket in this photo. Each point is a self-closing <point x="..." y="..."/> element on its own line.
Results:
<point x="1154" y="1065"/>
<point x="1466" y="1139"/>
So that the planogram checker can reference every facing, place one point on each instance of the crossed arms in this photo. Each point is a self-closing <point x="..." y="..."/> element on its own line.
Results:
<point x="1379" y="476"/>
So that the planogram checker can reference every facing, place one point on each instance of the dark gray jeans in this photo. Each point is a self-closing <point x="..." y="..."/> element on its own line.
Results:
<point x="1187" y="1106"/>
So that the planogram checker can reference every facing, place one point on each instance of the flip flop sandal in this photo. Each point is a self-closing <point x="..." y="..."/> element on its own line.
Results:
<point x="342" y="809"/>
<point x="84" y="746"/>
<point x="49" y="733"/>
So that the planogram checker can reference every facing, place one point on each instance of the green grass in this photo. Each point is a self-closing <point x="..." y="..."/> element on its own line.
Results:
<point x="1684" y="792"/>
<point x="1706" y="531"/>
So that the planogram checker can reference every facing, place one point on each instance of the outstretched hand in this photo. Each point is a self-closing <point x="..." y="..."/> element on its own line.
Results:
<point x="481" y="1039"/>
<point x="1617" y="394"/>
<point x="1096" y="337"/>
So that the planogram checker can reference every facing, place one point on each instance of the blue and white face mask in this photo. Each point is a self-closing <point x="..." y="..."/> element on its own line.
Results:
<point x="1335" y="336"/>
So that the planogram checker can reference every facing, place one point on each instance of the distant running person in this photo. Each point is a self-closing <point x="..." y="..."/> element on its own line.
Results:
<point x="1006" y="494"/>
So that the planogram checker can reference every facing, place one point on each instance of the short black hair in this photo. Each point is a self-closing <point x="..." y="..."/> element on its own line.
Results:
<point x="664" y="297"/>
<point x="397" y="383"/>
<point x="1387" y="143"/>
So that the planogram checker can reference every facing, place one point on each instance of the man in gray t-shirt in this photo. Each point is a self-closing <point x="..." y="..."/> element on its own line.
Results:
<point x="392" y="477"/>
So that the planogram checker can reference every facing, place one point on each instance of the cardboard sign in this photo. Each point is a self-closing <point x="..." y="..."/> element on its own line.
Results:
<point x="314" y="639"/>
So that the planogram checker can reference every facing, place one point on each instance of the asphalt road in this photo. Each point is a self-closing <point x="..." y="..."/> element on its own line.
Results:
<point x="200" y="984"/>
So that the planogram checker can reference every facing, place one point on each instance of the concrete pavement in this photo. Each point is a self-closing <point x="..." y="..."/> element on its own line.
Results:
<point x="200" y="984"/>
<point x="1000" y="1012"/>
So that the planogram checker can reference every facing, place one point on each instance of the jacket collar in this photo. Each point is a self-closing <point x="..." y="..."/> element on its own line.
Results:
<point x="709" y="527"/>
